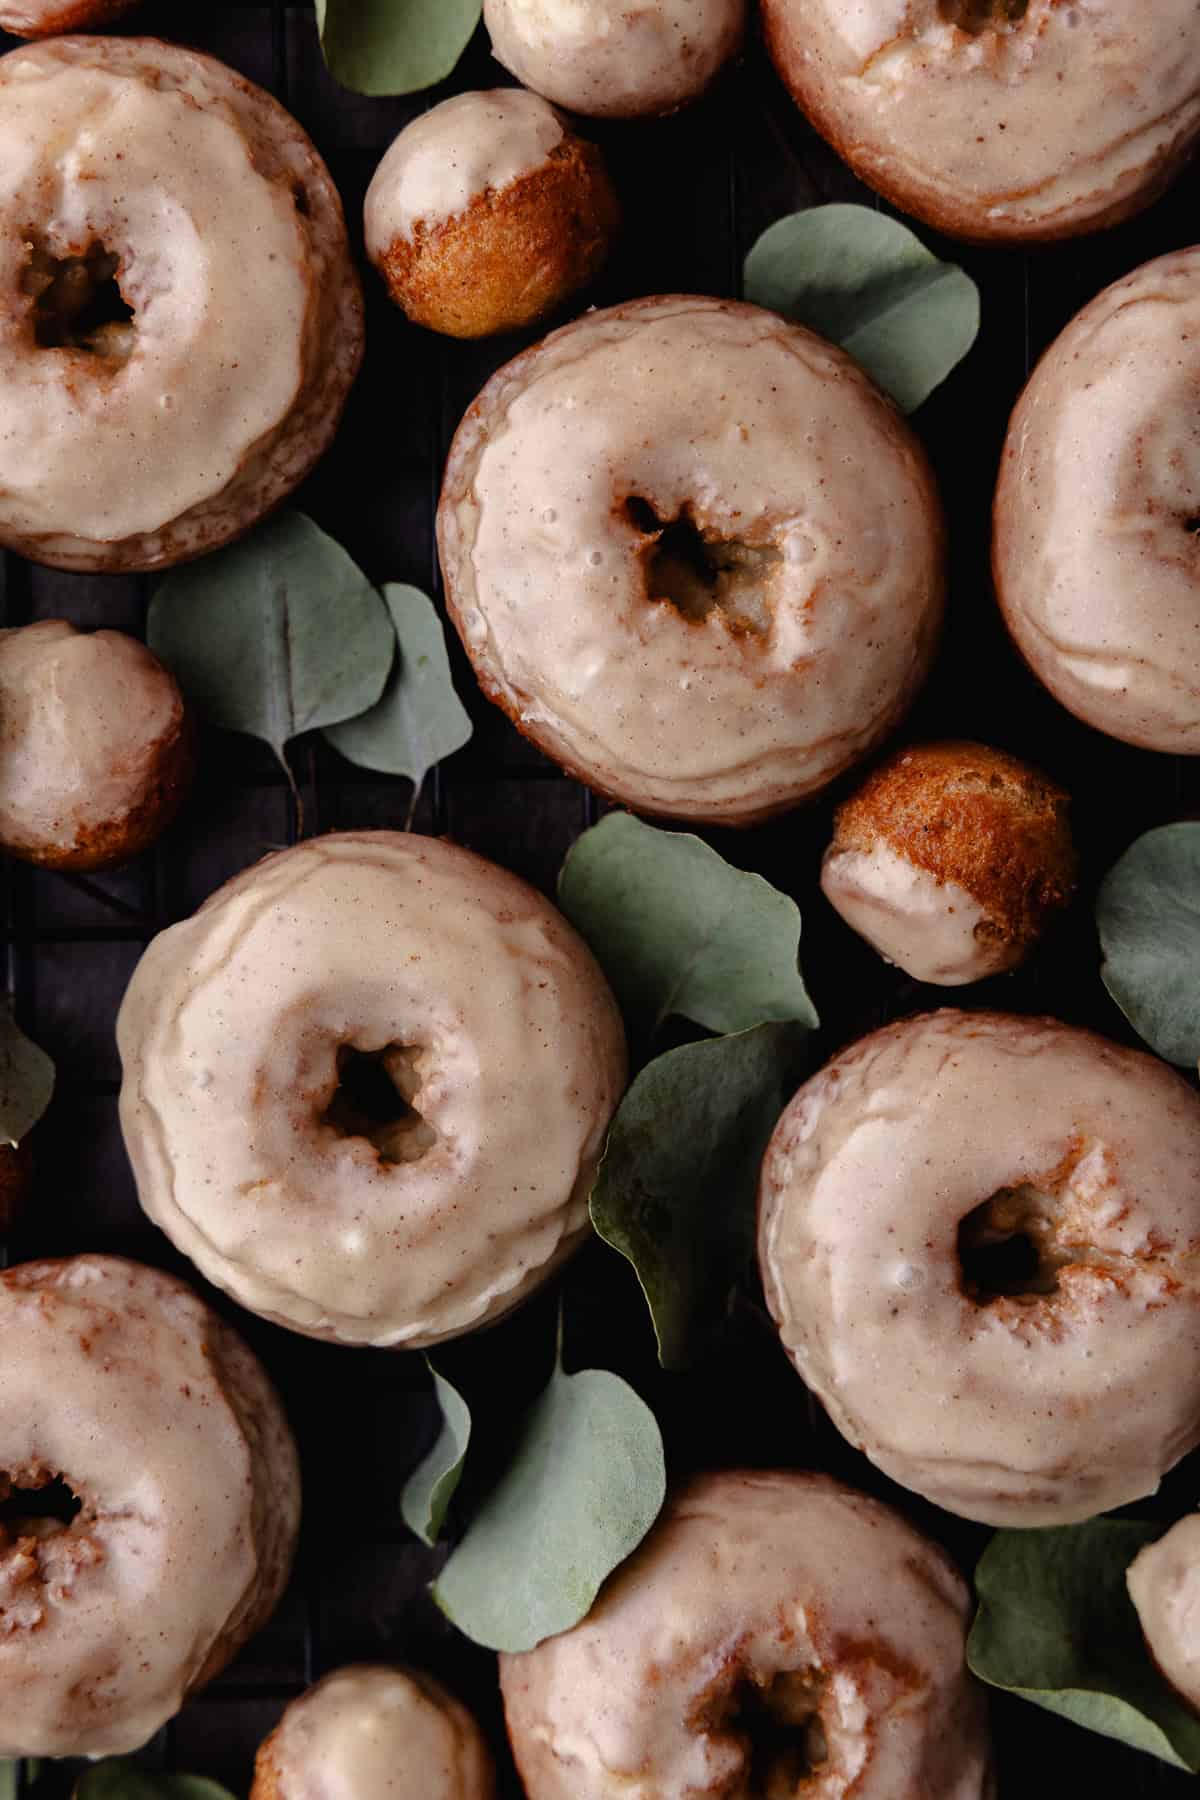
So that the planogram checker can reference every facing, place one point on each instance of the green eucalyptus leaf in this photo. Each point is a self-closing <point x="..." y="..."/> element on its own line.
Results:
<point x="277" y="634"/>
<point x="1056" y="1626"/>
<point x="420" y="719"/>
<point x="26" y="1081"/>
<point x="869" y="284"/>
<point x="677" y="930"/>
<point x="430" y="1488"/>
<point x="1148" y="912"/>
<point x="9" y="1780"/>
<point x="677" y="1190"/>
<point x="584" y="1485"/>
<point x="394" y="46"/>
<point x="119" y="1779"/>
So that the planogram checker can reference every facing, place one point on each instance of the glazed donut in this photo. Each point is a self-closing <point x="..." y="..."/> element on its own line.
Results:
<point x="487" y="213"/>
<point x="1164" y="1585"/>
<point x="950" y="859"/>
<point x="776" y="1634"/>
<point x="366" y="1087"/>
<point x="375" y="1733"/>
<point x="185" y="321"/>
<point x="96" y="747"/>
<point x="1003" y="120"/>
<point x="979" y="1237"/>
<point x="694" y="554"/>
<point x="1096" y="550"/>
<point x="123" y="1388"/>
<point x="616" y="59"/>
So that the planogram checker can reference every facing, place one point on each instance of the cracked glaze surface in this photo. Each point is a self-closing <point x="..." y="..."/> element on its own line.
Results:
<point x="1097" y="544"/>
<point x="371" y="1732"/>
<point x="121" y="1381"/>
<point x="1164" y="1585"/>
<point x="790" y="1588"/>
<point x="373" y="940"/>
<point x="1030" y="1410"/>
<point x="1068" y="117"/>
<point x="768" y="439"/>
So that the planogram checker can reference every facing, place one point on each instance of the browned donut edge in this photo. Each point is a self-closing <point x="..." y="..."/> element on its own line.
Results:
<point x="71" y="16"/>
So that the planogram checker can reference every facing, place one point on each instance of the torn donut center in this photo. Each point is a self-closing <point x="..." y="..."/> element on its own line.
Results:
<point x="698" y="572"/>
<point x="375" y="1099"/>
<point x="78" y="303"/>
<point x="37" y="1507"/>
<point x="1006" y="1248"/>
<point x="781" y="1721"/>
<point x="977" y="16"/>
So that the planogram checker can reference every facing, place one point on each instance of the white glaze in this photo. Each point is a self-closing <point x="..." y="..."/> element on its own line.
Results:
<point x="1097" y="551"/>
<point x="376" y="1733"/>
<point x="452" y="155"/>
<point x="1164" y="1585"/>
<point x="769" y="436"/>
<point x="120" y="1379"/>
<point x="228" y="1037"/>
<point x="928" y="928"/>
<point x="746" y="1578"/>
<point x="993" y="1410"/>
<point x="213" y="261"/>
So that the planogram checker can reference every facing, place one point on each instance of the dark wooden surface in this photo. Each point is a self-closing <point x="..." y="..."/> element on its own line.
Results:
<point x="697" y="190"/>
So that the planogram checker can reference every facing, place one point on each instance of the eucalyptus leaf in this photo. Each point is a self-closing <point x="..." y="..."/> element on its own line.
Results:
<point x="26" y="1081"/>
<point x="869" y="284"/>
<point x="677" y="1190"/>
<point x="1056" y="1626"/>
<point x="1148" y="913"/>
<point x="277" y="634"/>
<point x="394" y="46"/>
<point x="584" y="1485"/>
<point x="420" y="719"/>
<point x="677" y="930"/>
<point x="119" y="1779"/>
<point x="430" y="1488"/>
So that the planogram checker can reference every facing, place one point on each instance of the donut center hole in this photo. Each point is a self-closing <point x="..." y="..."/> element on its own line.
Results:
<point x="375" y="1099"/>
<point x="781" y="1719"/>
<point x="698" y="572"/>
<point x="977" y="16"/>
<point x="38" y="1505"/>
<point x="1006" y="1249"/>
<point x="77" y="302"/>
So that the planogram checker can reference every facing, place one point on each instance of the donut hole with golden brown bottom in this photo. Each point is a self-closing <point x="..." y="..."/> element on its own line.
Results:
<point x="78" y="303"/>
<point x="375" y="1099"/>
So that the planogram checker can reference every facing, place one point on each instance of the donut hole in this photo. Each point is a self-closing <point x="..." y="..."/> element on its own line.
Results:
<point x="78" y="303"/>
<point x="374" y="1099"/>
<point x="780" y="1720"/>
<point x="699" y="572"/>
<point x="977" y="16"/>
<point x="1006" y="1249"/>
<point x="37" y="1504"/>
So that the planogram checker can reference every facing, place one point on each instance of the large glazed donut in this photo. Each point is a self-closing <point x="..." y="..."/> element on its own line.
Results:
<point x="979" y="1236"/>
<point x="375" y="1733"/>
<point x="1097" y="521"/>
<point x="120" y="1384"/>
<point x="694" y="554"/>
<point x="183" y="321"/>
<point x="999" y="119"/>
<point x="775" y="1635"/>
<point x="367" y="1085"/>
<point x="43" y="18"/>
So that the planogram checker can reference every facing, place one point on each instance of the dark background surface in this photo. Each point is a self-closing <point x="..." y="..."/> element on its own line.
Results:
<point x="697" y="190"/>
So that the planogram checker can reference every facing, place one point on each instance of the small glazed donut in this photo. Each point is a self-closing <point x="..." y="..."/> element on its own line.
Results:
<point x="694" y="554"/>
<point x="366" y="1087"/>
<point x="96" y="747"/>
<point x="775" y="1635"/>
<point x="44" y="18"/>
<point x="184" y="320"/>
<point x="616" y="59"/>
<point x="487" y="213"/>
<point x="122" y="1387"/>
<point x="375" y="1733"/>
<point x="1164" y="1585"/>
<point x="1097" y="519"/>
<point x="979" y="1237"/>
<point x="999" y="120"/>
<point x="950" y="859"/>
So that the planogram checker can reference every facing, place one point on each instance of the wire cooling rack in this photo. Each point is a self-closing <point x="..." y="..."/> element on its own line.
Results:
<point x="698" y="190"/>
